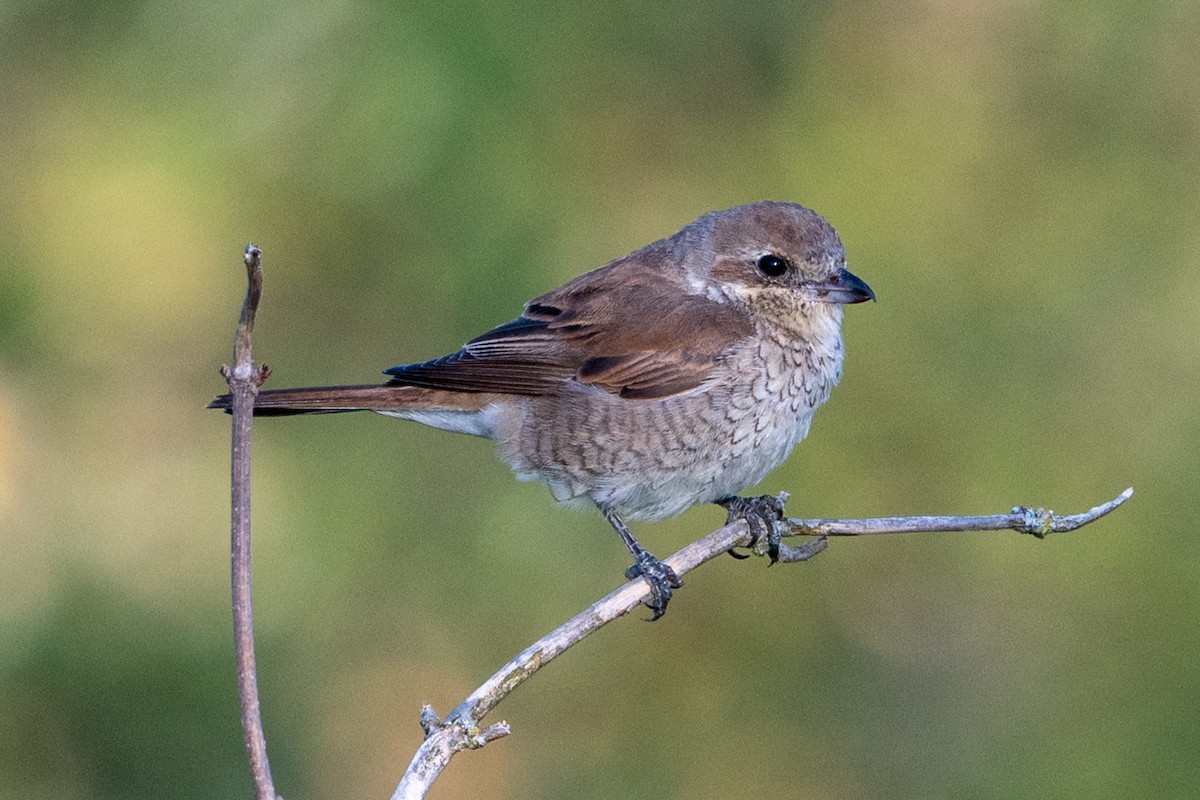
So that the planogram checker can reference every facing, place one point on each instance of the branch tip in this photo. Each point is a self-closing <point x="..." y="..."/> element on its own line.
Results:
<point x="803" y="552"/>
<point x="491" y="733"/>
<point x="252" y="255"/>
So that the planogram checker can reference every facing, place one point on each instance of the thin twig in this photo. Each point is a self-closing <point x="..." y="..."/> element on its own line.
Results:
<point x="244" y="379"/>
<point x="1035" y="521"/>
<point x="462" y="730"/>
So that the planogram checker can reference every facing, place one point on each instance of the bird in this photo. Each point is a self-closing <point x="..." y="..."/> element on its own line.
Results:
<point x="677" y="375"/>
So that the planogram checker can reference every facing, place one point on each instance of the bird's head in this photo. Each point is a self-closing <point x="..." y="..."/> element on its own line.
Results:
<point x="777" y="258"/>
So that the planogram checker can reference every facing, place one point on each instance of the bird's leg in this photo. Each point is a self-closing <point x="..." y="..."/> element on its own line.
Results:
<point x="764" y="516"/>
<point x="660" y="577"/>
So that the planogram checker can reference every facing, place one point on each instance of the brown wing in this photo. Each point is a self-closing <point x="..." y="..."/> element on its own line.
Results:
<point x="623" y="328"/>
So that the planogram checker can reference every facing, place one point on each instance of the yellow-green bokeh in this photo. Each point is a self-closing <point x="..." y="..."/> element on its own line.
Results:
<point x="1019" y="183"/>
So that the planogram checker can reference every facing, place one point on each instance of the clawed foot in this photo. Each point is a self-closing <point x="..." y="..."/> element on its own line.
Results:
<point x="763" y="514"/>
<point x="661" y="578"/>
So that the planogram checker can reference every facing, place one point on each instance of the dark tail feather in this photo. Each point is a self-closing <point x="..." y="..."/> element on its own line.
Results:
<point x="323" y="400"/>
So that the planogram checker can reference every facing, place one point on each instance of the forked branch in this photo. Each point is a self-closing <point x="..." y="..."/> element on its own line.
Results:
<point x="462" y="728"/>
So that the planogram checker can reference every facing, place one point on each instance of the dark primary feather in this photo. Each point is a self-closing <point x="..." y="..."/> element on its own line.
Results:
<point x="622" y="328"/>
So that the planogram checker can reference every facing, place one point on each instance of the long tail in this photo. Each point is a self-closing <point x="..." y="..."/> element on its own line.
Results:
<point x="335" y="399"/>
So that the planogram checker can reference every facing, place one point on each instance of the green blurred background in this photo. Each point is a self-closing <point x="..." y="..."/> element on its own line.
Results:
<point x="1018" y="181"/>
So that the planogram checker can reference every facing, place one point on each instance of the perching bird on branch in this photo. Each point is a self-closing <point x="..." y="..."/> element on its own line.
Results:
<point x="679" y="374"/>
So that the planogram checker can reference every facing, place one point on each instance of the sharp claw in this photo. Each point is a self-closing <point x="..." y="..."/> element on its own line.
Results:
<point x="658" y="576"/>
<point x="762" y="515"/>
<point x="772" y="554"/>
<point x="661" y="580"/>
<point x="659" y="607"/>
<point x="756" y="527"/>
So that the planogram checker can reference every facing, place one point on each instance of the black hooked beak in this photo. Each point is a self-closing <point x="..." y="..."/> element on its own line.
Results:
<point x="843" y="288"/>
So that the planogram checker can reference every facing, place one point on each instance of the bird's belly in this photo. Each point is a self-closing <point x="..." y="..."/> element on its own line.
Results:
<point x="652" y="459"/>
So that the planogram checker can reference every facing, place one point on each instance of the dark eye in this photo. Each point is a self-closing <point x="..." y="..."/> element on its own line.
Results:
<point x="772" y="265"/>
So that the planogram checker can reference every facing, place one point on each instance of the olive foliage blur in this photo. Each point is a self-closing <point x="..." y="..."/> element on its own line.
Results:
<point x="1019" y="183"/>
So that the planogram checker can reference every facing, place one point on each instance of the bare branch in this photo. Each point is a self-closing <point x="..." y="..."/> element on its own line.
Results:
<point x="462" y="730"/>
<point x="244" y="379"/>
<point x="1037" y="522"/>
